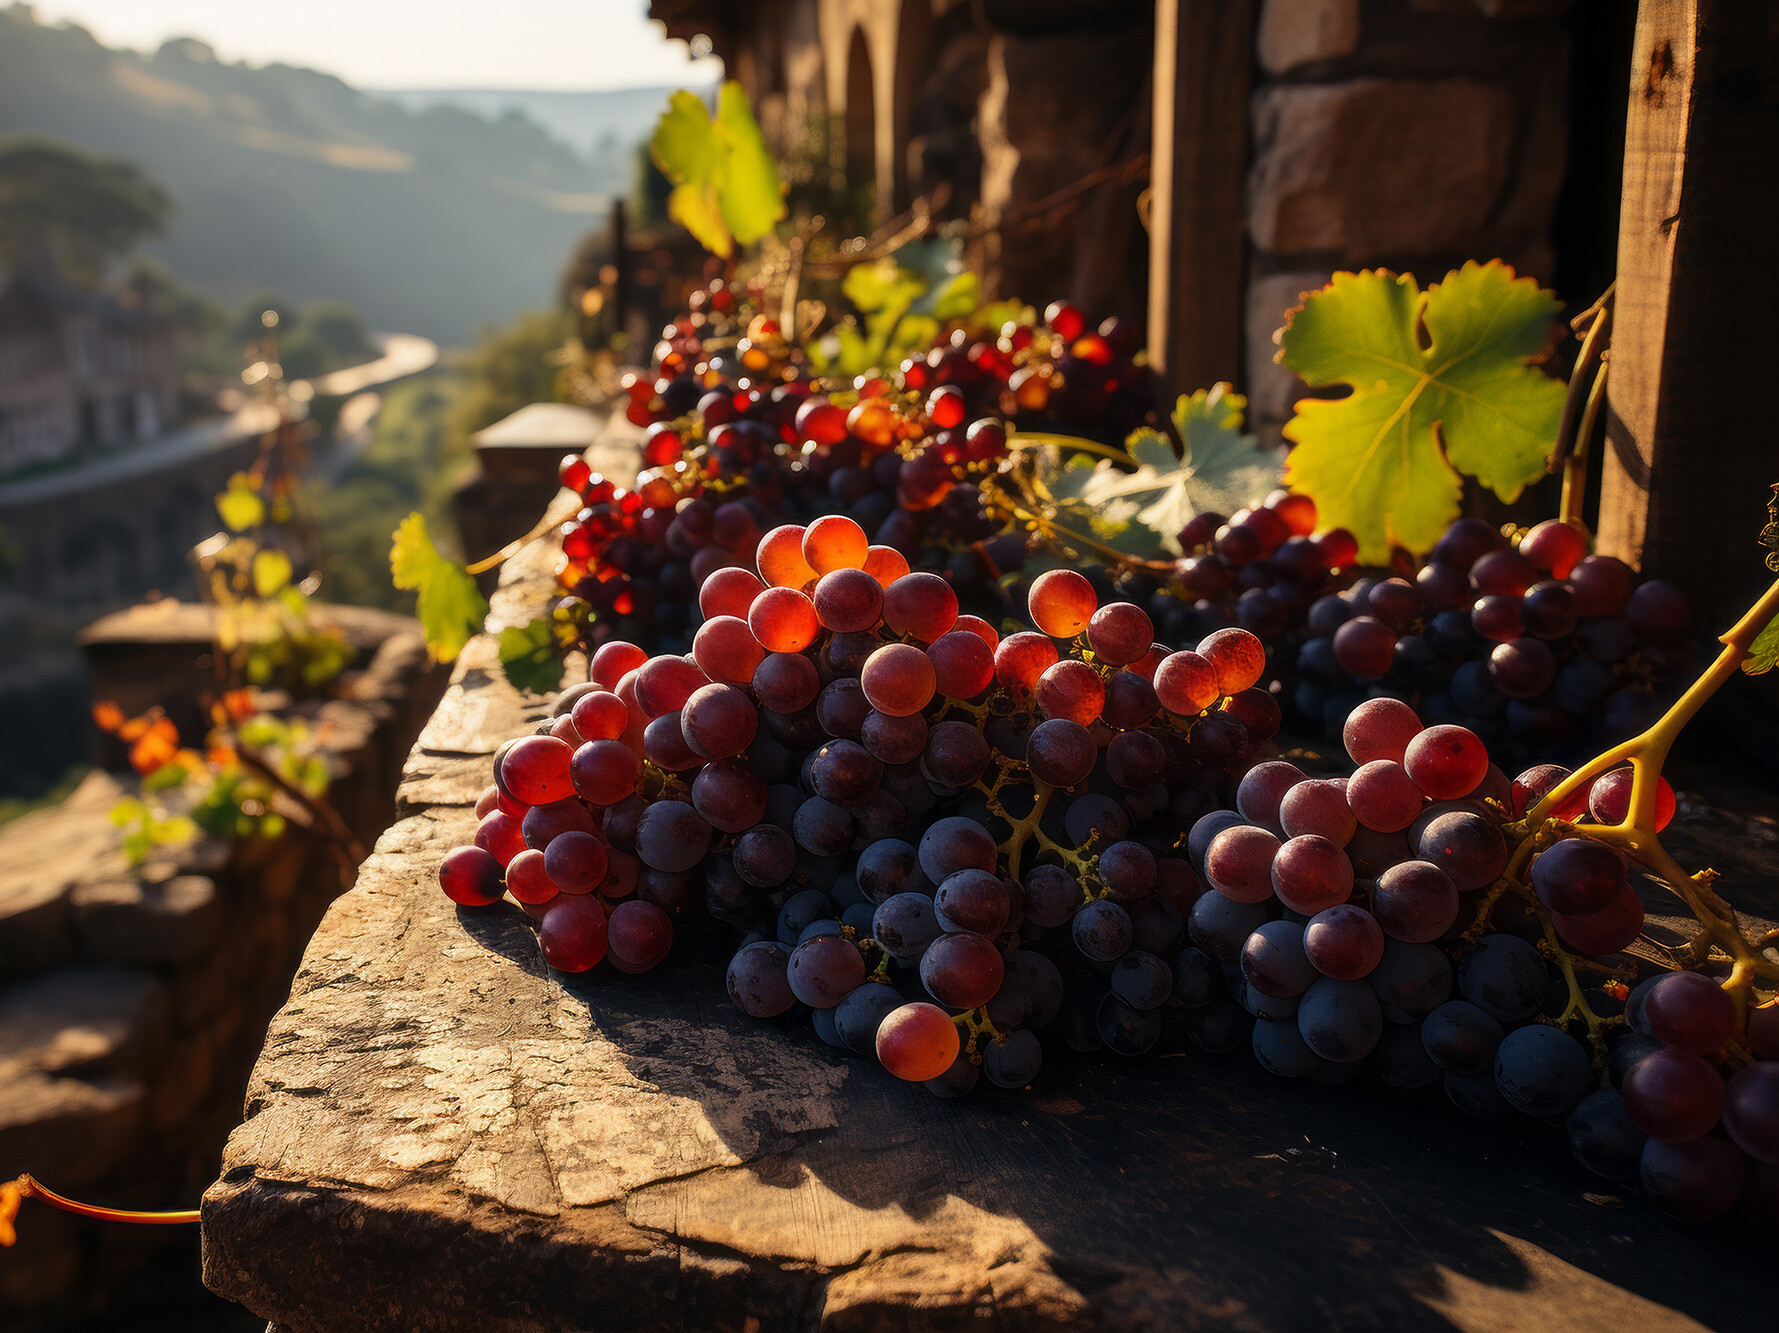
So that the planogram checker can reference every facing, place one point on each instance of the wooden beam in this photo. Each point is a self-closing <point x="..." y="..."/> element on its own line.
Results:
<point x="1690" y="428"/>
<point x="1204" y="51"/>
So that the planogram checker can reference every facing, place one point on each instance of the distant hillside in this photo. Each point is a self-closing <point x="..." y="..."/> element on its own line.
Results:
<point x="589" y="122"/>
<point x="432" y="221"/>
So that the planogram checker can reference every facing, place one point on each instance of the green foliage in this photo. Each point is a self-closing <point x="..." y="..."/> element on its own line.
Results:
<point x="902" y="311"/>
<point x="240" y="505"/>
<point x="1140" y="509"/>
<point x="145" y="827"/>
<point x="1441" y="387"/>
<point x="1763" y="654"/>
<point x="725" y="182"/>
<point x="84" y="210"/>
<point x="530" y="658"/>
<point x="326" y="335"/>
<point x="450" y="606"/>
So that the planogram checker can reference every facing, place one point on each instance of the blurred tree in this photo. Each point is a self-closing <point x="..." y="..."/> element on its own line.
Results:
<point x="327" y="334"/>
<point x="82" y="210"/>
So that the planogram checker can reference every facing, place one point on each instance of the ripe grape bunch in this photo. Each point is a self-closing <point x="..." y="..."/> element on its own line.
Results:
<point x="1534" y="644"/>
<point x="814" y="719"/>
<point x="903" y="455"/>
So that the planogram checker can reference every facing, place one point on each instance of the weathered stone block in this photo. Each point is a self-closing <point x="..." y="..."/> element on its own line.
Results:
<point x="1377" y="167"/>
<point x="81" y="1020"/>
<point x="1272" y="389"/>
<point x="1301" y="32"/>
<point x="128" y="921"/>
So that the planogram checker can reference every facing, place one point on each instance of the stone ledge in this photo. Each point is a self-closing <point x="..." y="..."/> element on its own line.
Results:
<point x="441" y="1134"/>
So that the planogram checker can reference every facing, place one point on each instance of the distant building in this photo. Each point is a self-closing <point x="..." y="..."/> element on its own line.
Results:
<point x="79" y="369"/>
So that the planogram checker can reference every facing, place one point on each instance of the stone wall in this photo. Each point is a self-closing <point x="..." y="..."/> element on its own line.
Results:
<point x="1413" y="134"/>
<point x="132" y="1001"/>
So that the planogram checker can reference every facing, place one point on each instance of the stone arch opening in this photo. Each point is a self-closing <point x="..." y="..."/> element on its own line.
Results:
<point x="914" y="61"/>
<point x="861" y="122"/>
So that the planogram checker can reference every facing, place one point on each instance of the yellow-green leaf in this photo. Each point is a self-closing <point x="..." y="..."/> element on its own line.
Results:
<point x="271" y="572"/>
<point x="749" y="193"/>
<point x="725" y="183"/>
<point x="1440" y="385"/>
<point x="959" y="298"/>
<point x="1763" y="653"/>
<point x="529" y="657"/>
<point x="450" y="606"/>
<point x="240" y="506"/>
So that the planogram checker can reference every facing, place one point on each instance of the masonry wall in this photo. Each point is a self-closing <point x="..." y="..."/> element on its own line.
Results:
<point x="132" y="1002"/>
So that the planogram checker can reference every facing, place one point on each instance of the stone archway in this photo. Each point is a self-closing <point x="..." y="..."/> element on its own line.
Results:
<point x="860" y="143"/>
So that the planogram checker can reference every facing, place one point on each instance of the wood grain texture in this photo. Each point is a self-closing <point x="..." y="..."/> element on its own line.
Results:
<point x="1198" y="174"/>
<point x="441" y="1134"/>
<point x="1684" y="485"/>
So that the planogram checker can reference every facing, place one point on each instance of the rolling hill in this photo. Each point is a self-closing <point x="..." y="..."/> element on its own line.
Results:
<point x="431" y="219"/>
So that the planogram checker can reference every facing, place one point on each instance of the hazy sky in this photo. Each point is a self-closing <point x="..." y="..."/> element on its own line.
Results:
<point x="576" y="44"/>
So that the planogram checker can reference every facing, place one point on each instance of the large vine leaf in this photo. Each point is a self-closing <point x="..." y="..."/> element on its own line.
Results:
<point x="725" y="182"/>
<point x="1140" y="511"/>
<point x="529" y="656"/>
<point x="1441" y="386"/>
<point x="450" y="606"/>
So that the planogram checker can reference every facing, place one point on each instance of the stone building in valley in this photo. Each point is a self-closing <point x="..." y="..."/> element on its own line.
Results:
<point x="79" y="370"/>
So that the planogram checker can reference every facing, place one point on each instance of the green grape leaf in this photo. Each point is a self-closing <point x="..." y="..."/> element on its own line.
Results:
<point x="1763" y="653"/>
<point x="882" y="287"/>
<point x="725" y="182"/>
<point x="751" y="197"/>
<point x="528" y="656"/>
<point x="271" y="571"/>
<point x="1141" y="511"/>
<point x="959" y="298"/>
<point x="450" y="606"/>
<point x="240" y="506"/>
<point x="1441" y="387"/>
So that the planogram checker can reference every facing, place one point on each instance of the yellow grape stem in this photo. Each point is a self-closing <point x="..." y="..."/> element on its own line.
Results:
<point x="1636" y="835"/>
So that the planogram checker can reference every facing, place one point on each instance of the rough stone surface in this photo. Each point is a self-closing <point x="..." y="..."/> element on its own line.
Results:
<point x="1272" y="389"/>
<point x="1377" y="167"/>
<point x="442" y="1134"/>
<point x="1301" y="32"/>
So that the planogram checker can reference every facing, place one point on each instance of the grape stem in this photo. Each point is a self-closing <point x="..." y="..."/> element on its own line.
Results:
<point x="26" y="1187"/>
<point x="1636" y="835"/>
<point x="1581" y="406"/>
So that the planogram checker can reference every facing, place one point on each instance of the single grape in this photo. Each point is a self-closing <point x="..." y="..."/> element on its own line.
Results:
<point x="765" y="855"/>
<point x="823" y="969"/>
<point x="1365" y="647"/>
<point x="1102" y="931"/>
<point x="1239" y="863"/>
<point x="1186" y="683"/>
<point x="1446" y="762"/>
<point x="1061" y="753"/>
<point x="535" y="770"/>
<point x="1125" y="1029"/>
<point x="885" y="564"/>
<point x="779" y="558"/>
<point x="962" y="970"/>
<point x="786" y="682"/>
<point x="1319" y="806"/>
<point x="898" y="679"/>
<point x="1344" y="942"/>
<point x="1695" y="1181"/>
<point x="729" y="592"/>
<point x="920" y="605"/>
<point x="1013" y="1063"/>
<point x="638" y="936"/>
<point x="847" y="601"/>
<point x="963" y="664"/>
<point x="1690" y="1012"/>
<point x="1340" y="1020"/>
<point x="1310" y="874"/>
<point x="917" y="1042"/>
<point x="1607" y="931"/>
<point x="1071" y="690"/>
<point x="1237" y="657"/>
<point x="1577" y="876"/>
<point x="471" y="876"/>
<point x="1061" y="603"/>
<point x="1461" y="1037"/>
<point x="573" y="933"/>
<point x="973" y="900"/>
<point x="784" y="620"/>
<point x="1415" y="901"/>
<point x="1542" y="1071"/>
<point x="904" y="924"/>
<point x="1468" y="847"/>
<point x="1021" y="659"/>
<point x="1120" y="633"/>
<point x="1142" y="980"/>
<point x="834" y="542"/>
<point x="1274" y="962"/>
<point x="1383" y="797"/>
<point x="1751" y="1110"/>
<point x="1504" y="976"/>
<point x="1380" y="729"/>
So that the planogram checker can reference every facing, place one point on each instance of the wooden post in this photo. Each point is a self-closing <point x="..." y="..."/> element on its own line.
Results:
<point x="1690" y="430"/>
<point x="1198" y="169"/>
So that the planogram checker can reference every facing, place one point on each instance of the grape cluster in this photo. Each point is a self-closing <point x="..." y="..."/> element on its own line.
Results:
<point x="1537" y="646"/>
